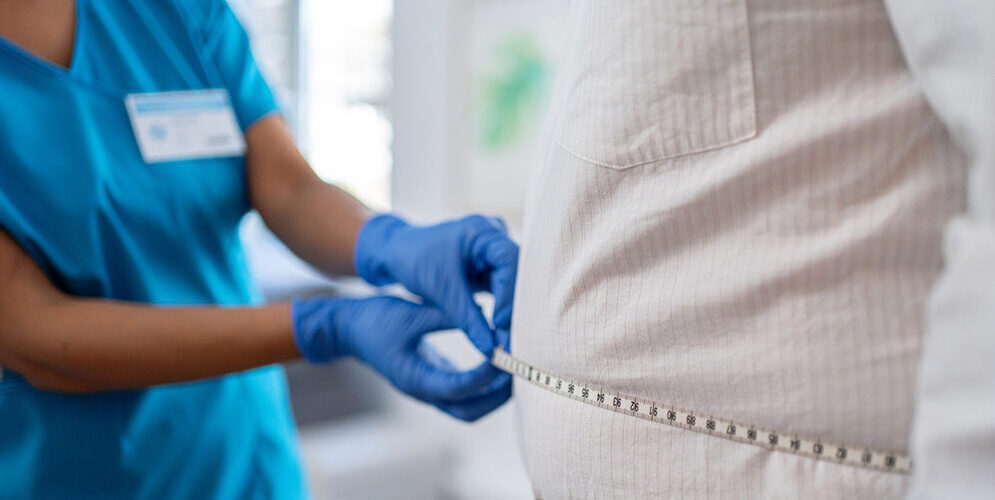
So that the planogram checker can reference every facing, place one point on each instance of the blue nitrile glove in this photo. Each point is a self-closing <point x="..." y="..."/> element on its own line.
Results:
<point x="445" y="264"/>
<point x="386" y="334"/>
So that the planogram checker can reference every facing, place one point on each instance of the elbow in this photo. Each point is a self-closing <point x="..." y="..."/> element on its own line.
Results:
<point x="42" y="378"/>
<point x="65" y="388"/>
<point x="50" y="382"/>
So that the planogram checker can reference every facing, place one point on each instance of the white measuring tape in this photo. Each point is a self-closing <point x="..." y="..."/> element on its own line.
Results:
<point x="662" y="413"/>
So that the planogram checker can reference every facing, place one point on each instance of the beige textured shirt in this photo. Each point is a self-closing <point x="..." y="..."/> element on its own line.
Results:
<point x="739" y="211"/>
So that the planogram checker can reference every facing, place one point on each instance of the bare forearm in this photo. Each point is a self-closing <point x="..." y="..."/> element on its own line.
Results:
<point x="82" y="345"/>
<point x="316" y="220"/>
<point x="322" y="226"/>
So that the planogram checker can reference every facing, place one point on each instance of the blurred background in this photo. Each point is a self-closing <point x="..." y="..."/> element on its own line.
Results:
<point x="431" y="109"/>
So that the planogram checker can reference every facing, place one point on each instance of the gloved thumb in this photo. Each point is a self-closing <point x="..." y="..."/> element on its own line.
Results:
<point x="471" y="320"/>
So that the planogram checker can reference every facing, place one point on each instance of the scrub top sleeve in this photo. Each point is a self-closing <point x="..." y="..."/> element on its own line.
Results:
<point x="227" y="47"/>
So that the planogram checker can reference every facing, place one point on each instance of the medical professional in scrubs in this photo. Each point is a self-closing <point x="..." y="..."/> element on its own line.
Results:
<point x="136" y="359"/>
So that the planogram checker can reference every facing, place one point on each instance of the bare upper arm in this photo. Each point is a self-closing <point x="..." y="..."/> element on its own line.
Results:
<point x="25" y="290"/>
<point x="22" y="278"/>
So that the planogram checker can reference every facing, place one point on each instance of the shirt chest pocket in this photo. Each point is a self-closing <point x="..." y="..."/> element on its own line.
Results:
<point x="649" y="80"/>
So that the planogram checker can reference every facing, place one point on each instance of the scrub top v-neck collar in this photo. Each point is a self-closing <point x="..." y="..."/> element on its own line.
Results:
<point x="46" y="65"/>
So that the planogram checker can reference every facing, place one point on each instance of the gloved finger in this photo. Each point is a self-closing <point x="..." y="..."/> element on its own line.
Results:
<point x="440" y="361"/>
<point x="499" y="382"/>
<point x="471" y="410"/>
<point x="501" y="257"/>
<point x="503" y="288"/>
<point x="487" y="251"/>
<point x="494" y="260"/>
<point x="503" y="337"/>
<point x="421" y="319"/>
<point x="432" y="384"/>
<point x="467" y="314"/>
<point x="434" y="357"/>
<point x="499" y="223"/>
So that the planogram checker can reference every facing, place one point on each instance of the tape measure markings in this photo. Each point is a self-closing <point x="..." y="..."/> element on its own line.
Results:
<point x="653" y="411"/>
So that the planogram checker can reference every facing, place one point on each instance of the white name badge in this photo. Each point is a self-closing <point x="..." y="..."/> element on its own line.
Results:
<point x="184" y="125"/>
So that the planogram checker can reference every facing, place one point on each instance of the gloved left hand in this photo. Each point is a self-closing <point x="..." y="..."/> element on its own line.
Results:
<point x="445" y="264"/>
<point x="386" y="333"/>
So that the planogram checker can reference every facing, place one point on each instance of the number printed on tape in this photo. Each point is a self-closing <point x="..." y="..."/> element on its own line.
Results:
<point x="856" y="456"/>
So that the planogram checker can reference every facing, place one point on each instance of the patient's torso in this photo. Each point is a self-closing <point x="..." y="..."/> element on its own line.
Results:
<point x="738" y="212"/>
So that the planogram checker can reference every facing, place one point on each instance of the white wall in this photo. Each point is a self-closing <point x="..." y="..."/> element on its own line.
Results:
<point x="421" y="184"/>
<point x="441" y="47"/>
<point x="438" y="173"/>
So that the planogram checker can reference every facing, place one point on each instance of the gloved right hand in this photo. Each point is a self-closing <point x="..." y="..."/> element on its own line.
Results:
<point x="445" y="264"/>
<point x="386" y="334"/>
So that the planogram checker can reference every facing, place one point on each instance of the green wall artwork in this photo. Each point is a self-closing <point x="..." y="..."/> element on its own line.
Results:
<point x="511" y="96"/>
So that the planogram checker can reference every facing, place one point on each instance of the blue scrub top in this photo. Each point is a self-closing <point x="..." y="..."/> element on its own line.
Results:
<point x="77" y="196"/>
